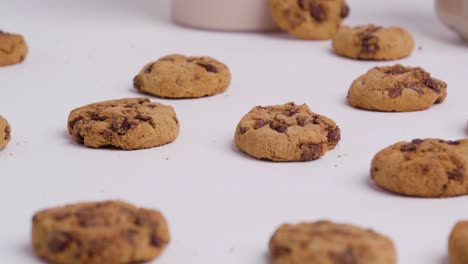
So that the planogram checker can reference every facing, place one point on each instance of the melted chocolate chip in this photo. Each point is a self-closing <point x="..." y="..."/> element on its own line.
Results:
<point x="106" y="135"/>
<point x="311" y="151"/>
<point x="453" y="143"/>
<point x="59" y="241"/>
<point x="61" y="215"/>
<point x="120" y="125"/>
<point x="7" y="133"/>
<point x="369" y="42"/>
<point x="152" y="106"/>
<point x="156" y="241"/>
<point x="95" y="247"/>
<point x="397" y="69"/>
<point x="149" y="69"/>
<point x="317" y="11"/>
<point x="129" y="235"/>
<point x="260" y="123"/>
<point x="95" y="116"/>
<point x="143" y="117"/>
<point x="290" y="112"/>
<point x="74" y="121"/>
<point x="347" y="257"/>
<point x="409" y="148"/>
<point x="301" y="4"/>
<point x="86" y="218"/>
<point x="278" y="126"/>
<point x="243" y="130"/>
<point x="344" y="13"/>
<point x="208" y="67"/>
<point x="433" y="84"/>
<point x="301" y="120"/>
<point x="417" y="141"/>
<point x="334" y="135"/>
<point x="395" y="92"/>
<point x="456" y="175"/>
<point x="278" y="251"/>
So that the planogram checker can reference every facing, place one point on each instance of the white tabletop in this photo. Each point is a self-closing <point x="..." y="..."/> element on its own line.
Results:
<point x="222" y="206"/>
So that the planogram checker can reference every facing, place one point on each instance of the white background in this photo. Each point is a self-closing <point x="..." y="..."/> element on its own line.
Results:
<point x="222" y="206"/>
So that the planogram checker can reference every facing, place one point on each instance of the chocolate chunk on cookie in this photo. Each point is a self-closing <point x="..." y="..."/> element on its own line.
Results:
<point x="5" y="132"/>
<point x="129" y="124"/>
<point x="423" y="168"/>
<point x="457" y="243"/>
<point x="327" y="242"/>
<point x="286" y="132"/>
<point x="396" y="89"/>
<point x="178" y="76"/>
<point x="373" y="43"/>
<point x="13" y="48"/>
<point x="309" y="19"/>
<point x="100" y="232"/>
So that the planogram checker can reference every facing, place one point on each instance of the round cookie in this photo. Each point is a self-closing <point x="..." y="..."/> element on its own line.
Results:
<point x="423" y="168"/>
<point x="178" y="76"/>
<point x="286" y="132"/>
<point x="309" y="19"/>
<point x="396" y="89"/>
<point x="97" y="233"/>
<point x="13" y="48"/>
<point x="373" y="43"/>
<point x="132" y="123"/>
<point x="330" y="243"/>
<point x="5" y="131"/>
<point x="458" y="243"/>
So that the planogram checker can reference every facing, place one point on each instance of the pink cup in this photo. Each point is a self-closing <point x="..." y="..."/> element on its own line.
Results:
<point x="454" y="14"/>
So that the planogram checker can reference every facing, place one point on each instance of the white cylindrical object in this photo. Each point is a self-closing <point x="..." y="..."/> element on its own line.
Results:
<point x="227" y="15"/>
<point x="454" y="14"/>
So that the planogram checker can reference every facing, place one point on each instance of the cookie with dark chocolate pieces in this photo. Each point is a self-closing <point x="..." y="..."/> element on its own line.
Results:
<point x="286" y="132"/>
<point x="129" y="124"/>
<point x="396" y="89"/>
<point x="179" y="76"/>
<point x="99" y="232"/>
<point x="5" y="132"/>
<point x="13" y="48"/>
<point x="423" y="168"/>
<point x="331" y="243"/>
<point x="309" y="19"/>
<point x="372" y="42"/>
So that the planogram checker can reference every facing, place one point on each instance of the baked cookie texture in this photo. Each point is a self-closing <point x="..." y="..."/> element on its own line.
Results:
<point x="325" y="242"/>
<point x="396" y="89"/>
<point x="457" y="243"/>
<point x="309" y="19"/>
<point x="5" y="132"/>
<point x="99" y="233"/>
<point x="129" y="124"/>
<point x="286" y="132"/>
<point x="13" y="48"/>
<point x="178" y="76"/>
<point x="371" y="42"/>
<point x="423" y="168"/>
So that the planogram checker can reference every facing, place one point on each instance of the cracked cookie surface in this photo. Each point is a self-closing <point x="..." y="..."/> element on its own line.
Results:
<point x="286" y="132"/>
<point x="13" y="48"/>
<point x="324" y="242"/>
<point x="458" y="252"/>
<point x="372" y="42"/>
<point x="5" y="132"/>
<point x="423" y="167"/>
<point x="99" y="232"/>
<point x="132" y="123"/>
<point x="309" y="19"/>
<point x="178" y="76"/>
<point x="396" y="89"/>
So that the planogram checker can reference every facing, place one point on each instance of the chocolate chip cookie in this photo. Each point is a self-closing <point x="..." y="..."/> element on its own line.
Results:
<point x="458" y="243"/>
<point x="326" y="242"/>
<point x="129" y="124"/>
<point x="423" y="167"/>
<point x="178" y="76"/>
<point x="396" y="89"/>
<point x="5" y="131"/>
<point x="13" y="48"/>
<point x="286" y="132"/>
<point x="98" y="233"/>
<point x="309" y="19"/>
<point x="373" y="43"/>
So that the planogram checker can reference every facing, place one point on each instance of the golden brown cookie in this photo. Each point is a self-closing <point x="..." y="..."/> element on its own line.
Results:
<point x="286" y="132"/>
<point x="309" y="19"/>
<point x="325" y="242"/>
<point x="458" y="243"/>
<point x="99" y="233"/>
<point x="13" y="48"/>
<point x="423" y="167"/>
<point x="131" y="123"/>
<point x="396" y="89"/>
<point x="373" y="43"/>
<point x="178" y="76"/>
<point x="5" y="131"/>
